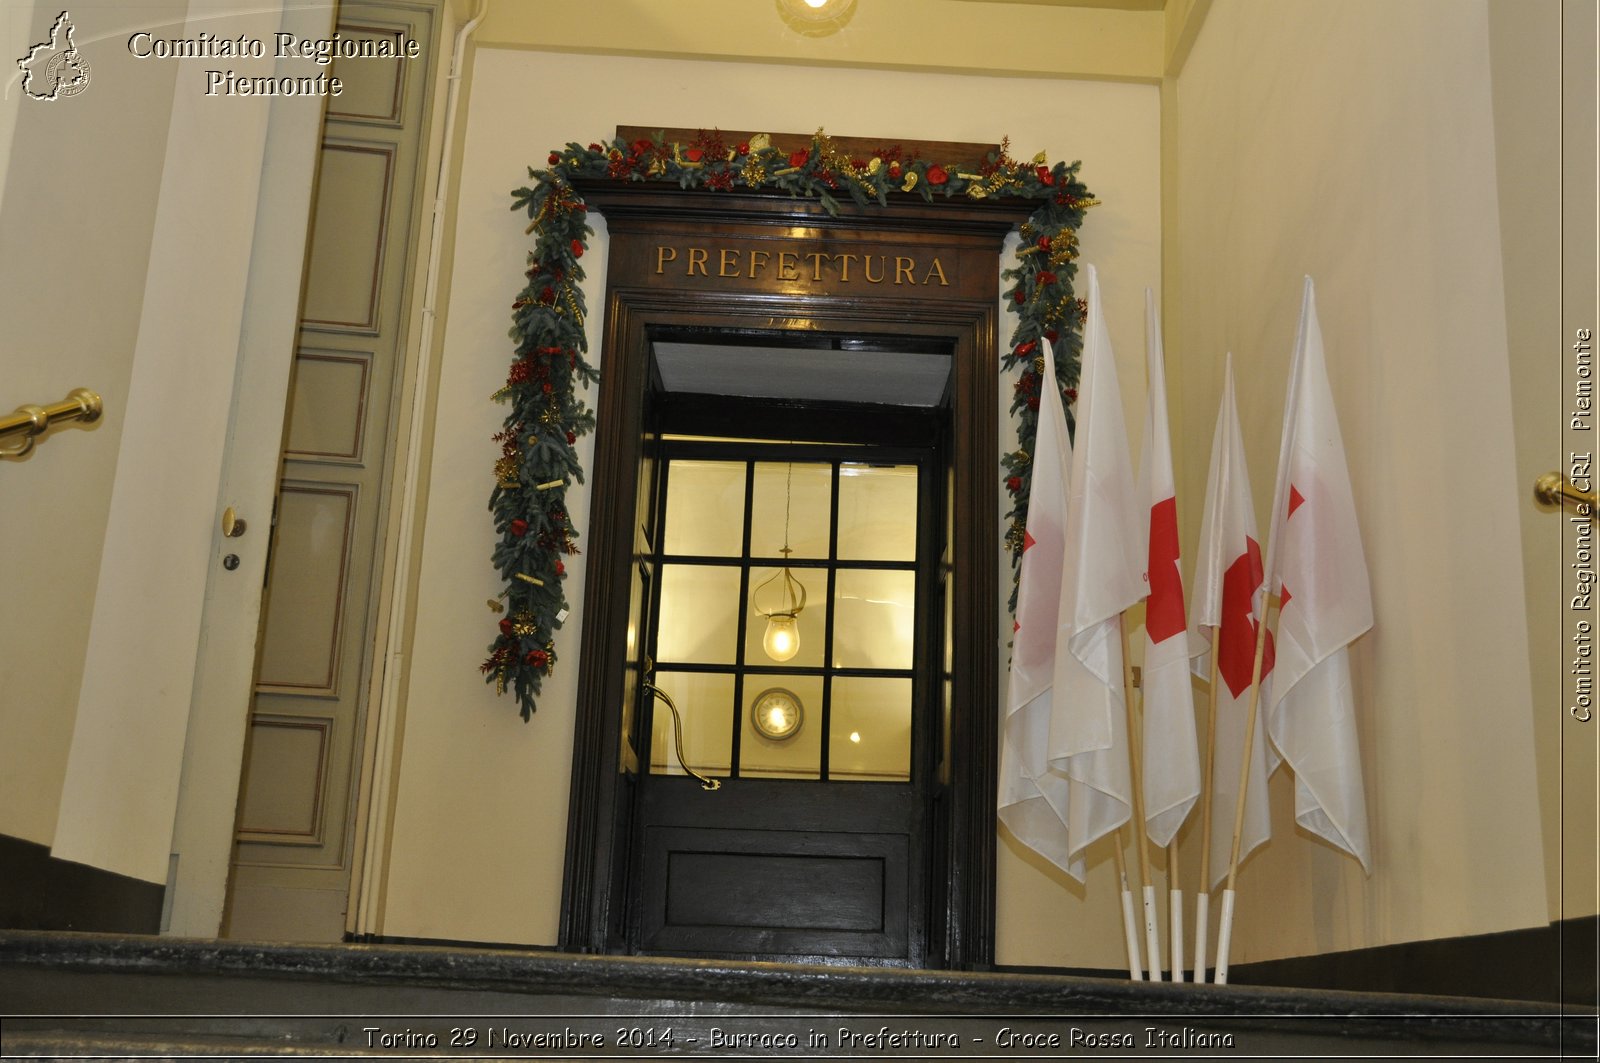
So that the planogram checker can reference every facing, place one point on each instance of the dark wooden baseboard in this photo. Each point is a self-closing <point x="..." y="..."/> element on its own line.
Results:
<point x="1553" y="964"/>
<point x="40" y="892"/>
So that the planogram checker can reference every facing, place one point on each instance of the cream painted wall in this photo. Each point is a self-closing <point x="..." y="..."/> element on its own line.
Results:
<point x="480" y="817"/>
<point x="937" y="36"/>
<point x="1356" y="142"/>
<point x="81" y="179"/>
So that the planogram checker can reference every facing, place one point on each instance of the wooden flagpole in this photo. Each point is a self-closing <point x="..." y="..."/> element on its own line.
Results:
<point x="1225" y="927"/>
<point x="1202" y="913"/>
<point x="1175" y="910"/>
<point x="1130" y="936"/>
<point x="1146" y="887"/>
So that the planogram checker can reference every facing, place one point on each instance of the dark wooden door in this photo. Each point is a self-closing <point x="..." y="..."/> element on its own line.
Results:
<point x="635" y="882"/>
<point x="814" y="842"/>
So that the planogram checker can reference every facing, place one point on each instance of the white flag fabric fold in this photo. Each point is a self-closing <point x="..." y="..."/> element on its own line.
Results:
<point x="1228" y="600"/>
<point x="1321" y="572"/>
<point x="1101" y="576"/>
<point x="1171" y="751"/>
<point x="1032" y="798"/>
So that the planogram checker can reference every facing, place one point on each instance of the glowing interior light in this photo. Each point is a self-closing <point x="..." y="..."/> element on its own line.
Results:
<point x="855" y="736"/>
<point x="782" y="640"/>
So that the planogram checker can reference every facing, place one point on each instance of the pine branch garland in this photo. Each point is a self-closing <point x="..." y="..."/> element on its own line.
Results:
<point x="546" y="414"/>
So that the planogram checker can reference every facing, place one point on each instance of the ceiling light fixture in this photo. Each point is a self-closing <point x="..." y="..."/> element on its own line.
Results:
<point x="816" y="18"/>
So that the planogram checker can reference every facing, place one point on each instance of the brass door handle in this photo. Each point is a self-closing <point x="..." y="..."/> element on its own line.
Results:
<point x="1553" y="489"/>
<point x="233" y="525"/>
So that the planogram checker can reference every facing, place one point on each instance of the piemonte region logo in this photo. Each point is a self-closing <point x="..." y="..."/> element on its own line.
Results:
<point x="55" y="69"/>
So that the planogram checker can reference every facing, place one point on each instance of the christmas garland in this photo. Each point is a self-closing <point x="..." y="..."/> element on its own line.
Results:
<point x="538" y="458"/>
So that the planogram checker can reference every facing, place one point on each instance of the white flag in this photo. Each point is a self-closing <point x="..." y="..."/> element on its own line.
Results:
<point x="1327" y="602"/>
<point x="1032" y="798"/>
<point x="1171" y="752"/>
<point x="1227" y="598"/>
<point x="1101" y="576"/>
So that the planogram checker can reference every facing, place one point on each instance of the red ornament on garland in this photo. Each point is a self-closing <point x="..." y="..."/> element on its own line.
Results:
<point x="937" y="175"/>
<point x="519" y="527"/>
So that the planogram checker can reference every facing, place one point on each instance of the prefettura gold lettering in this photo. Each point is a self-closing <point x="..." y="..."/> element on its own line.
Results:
<point x="755" y="264"/>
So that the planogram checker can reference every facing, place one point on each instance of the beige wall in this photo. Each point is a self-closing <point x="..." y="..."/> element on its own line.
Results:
<point x="481" y="811"/>
<point x="81" y="180"/>
<point x="1355" y="142"/>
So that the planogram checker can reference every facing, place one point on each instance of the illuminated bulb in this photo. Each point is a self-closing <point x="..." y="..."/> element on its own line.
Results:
<point x="782" y="640"/>
<point x="855" y="736"/>
<point x="816" y="18"/>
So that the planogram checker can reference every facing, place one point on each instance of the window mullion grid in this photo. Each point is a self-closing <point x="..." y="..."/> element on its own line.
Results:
<point x="647" y="719"/>
<point x="742" y="627"/>
<point x="827" y="627"/>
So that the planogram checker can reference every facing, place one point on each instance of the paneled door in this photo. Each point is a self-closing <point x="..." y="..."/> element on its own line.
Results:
<point x="816" y="726"/>
<point x="295" y="835"/>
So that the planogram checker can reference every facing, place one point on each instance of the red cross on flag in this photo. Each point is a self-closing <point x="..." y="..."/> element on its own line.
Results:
<point x="1228" y="603"/>
<point x="1171" y="753"/>
<point x="1327" y="604"/>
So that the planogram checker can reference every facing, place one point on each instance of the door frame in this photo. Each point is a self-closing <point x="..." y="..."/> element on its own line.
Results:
<point x="638" y="305"/>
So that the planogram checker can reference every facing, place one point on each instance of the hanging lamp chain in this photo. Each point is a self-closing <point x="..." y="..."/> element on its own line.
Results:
<point x="792" y="597"/>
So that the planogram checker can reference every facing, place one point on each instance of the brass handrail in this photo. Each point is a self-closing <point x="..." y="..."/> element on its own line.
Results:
<point x="1553" y="489"/>
<point x="30" y="422"/>
<point x="677" y="736"/>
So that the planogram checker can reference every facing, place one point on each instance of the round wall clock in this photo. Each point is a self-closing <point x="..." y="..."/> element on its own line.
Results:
<point x="777" y="714"/>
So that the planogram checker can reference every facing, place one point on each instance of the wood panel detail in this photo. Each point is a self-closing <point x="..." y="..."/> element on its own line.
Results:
<point x="328" y="406"/>
<point x="767" y="889"/>
<point x="305" y="589"/>
<point x="374" y="90"/>
<point x="348" y="232"/>
<point x="281" y="800"/>
<point x="770" y="893"/>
